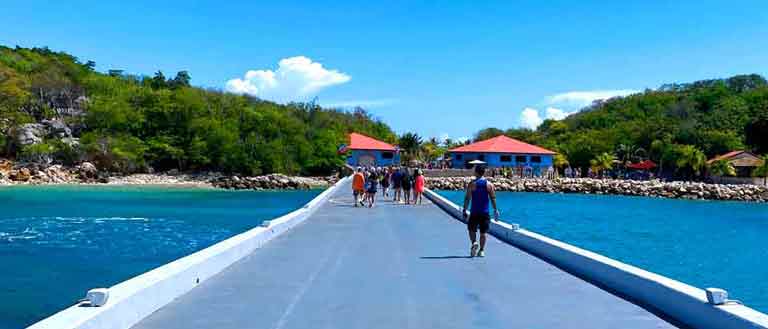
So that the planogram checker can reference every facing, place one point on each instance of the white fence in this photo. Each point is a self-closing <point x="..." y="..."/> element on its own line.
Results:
<point x="132" y="300"/>
<point x="674" y="300"/>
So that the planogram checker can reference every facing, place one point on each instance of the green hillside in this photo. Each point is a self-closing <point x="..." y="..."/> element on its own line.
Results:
<point x="677" y="125"/>
<point x="57" y="109"/>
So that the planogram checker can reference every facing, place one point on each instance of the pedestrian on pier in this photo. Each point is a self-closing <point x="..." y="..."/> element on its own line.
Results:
<point x="385" y="177"/>
<point x="480" y="191"/>
<point x="397" y="183"/>
<point x="358" y="186"/>
<point x="406" y="182"/>
<point x="373" y="183"/>
<point x="418" y="186"/>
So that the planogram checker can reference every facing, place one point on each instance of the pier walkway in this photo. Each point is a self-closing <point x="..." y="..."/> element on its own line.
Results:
<point x="393" y="266"/>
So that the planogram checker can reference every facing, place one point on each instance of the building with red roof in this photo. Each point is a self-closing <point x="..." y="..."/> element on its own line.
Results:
<point x="502" y="151"/>
<point x="368" y="151"/>
<point x="744" y="162"/>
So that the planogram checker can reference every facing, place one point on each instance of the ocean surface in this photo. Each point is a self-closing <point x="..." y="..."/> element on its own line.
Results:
<point x="57" y="242"/>
<point x="702" y="243"/>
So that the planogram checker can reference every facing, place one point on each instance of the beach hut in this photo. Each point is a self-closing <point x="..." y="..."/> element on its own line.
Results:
<point x="367" y="151"/>
<point x="744" y="162"/>
<point x="502" y="151"/>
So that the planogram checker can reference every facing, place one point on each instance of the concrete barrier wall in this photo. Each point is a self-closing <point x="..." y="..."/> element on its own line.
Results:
<point x="132" y="300"/>
<point x="678" y="302"/>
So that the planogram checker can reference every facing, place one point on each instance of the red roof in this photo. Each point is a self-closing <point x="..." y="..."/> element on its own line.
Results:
<point x="643" y="165"/>
<point x="362" y="142"/>
<point x="728" y="155"/>
<point x="502" y="144"/>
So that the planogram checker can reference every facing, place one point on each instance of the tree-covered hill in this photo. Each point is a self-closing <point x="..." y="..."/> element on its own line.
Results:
<point x="55" y="108"/>
<point x="677" y="125"/>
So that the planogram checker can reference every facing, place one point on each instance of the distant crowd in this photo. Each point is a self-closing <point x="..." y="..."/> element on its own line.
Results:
<point x="402" y="184"/>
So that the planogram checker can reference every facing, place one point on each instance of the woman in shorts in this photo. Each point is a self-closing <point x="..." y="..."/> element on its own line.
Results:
<point x="372" y="188"/>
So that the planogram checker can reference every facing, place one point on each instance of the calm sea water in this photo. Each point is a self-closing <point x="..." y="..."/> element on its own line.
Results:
<point x="58" y="242"/>
<point x="703" y="243"/>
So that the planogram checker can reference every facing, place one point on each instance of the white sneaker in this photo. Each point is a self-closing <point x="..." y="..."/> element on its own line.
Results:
<point x="473" y="249"/>
<point x="481" y="253"/>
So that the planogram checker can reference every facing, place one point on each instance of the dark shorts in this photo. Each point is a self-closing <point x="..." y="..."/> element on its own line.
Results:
<point x="397" y="185"/>
<point x="479" y="221"/>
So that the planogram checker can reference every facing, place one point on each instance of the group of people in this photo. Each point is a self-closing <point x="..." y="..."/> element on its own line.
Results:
<point x="407" y="185"/>
<point x="479" y="196"/>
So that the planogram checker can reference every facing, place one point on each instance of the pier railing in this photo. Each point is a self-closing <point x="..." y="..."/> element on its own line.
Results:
<point x="132" y="300"/>
<point x="675" y="301"/>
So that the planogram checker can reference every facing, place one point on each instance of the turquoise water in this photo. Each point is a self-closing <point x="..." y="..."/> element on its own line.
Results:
<point x="703" y="243"/>
<point x="58" y="242"/>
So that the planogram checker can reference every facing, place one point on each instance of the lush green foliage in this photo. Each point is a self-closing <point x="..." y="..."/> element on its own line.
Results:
<point x="722" y="167"/>
<point x="131" y="123"/>
<point x="677" y="125"/>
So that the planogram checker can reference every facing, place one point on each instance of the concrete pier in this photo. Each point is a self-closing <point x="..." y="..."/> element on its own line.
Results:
<point x="393" y="266"/>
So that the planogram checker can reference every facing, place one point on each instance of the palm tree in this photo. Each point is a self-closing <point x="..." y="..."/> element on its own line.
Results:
<point x="560" y="161"/>
<point x="625" y="152"/>
<point x="722" y="168"/>
<point x="410" y="143"/>
<point x="762" y="170"/>
<point x="691" y="159"/>
<point x="602" y="162"/>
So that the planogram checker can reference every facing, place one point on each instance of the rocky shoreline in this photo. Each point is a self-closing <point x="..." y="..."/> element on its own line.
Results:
<point x="655" y="188"/>
<point x="87" y="174"/>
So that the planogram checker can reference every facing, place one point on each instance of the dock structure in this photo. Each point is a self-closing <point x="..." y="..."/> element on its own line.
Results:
<point x="393" y="266"/>
<point x="398" y="266"/>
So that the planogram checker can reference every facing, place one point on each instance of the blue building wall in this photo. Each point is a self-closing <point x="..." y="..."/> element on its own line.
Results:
<point x="459" y="160"/>
<point x="364" y="157"/>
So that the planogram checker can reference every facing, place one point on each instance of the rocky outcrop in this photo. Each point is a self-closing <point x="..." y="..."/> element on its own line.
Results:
<point x="273" y="181"/>
<point x="30" y="133"/>
<point x="88" y="173"/>
<point x="87" y="170"/>
<point x="35" y="133"/>
<point x="20" y="175"/>
<point x="655" y="188"/>
<point x="56" y="129"/>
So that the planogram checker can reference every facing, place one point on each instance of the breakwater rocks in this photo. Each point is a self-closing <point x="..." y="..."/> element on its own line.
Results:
<point x="273" y="181"/>
<point x="87" y="173"/>
<point x="677" y="190"/>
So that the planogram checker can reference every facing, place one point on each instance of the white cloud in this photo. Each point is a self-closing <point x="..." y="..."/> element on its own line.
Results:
<point x="443" y="137"/>
<point x="583" y="98"/>
<point x="367" y="103"/>
<point x="557" y="114"/>
<point x="295" y="79"/>
<point x="530" y="117"/>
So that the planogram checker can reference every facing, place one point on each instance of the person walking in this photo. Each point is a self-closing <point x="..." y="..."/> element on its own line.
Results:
<point x="385" y="182"/>
<point x="479" y="192"/>
<point x="406" y="184"/>
<point x="397" y="183"/>
<point x="358" y="186"/>
<point x="418" y="187"/>
<point x="372" y="189"/>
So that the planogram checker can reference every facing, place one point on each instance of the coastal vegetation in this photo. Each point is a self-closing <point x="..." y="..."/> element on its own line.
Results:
<point x="678" y="126"/>
<point x="55" y="108"/>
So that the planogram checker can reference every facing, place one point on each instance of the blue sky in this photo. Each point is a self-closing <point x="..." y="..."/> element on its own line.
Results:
<point x="434" y="67"/>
